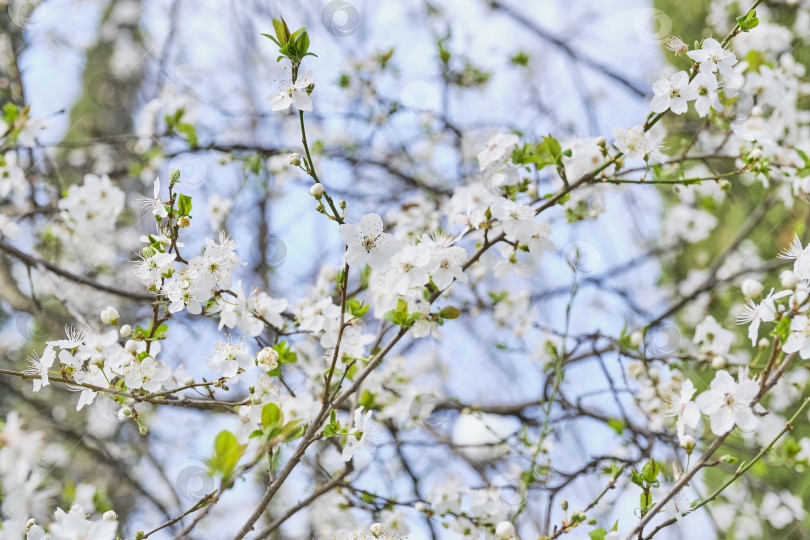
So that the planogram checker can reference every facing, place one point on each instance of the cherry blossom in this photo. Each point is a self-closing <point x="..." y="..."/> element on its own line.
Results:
<point x="713" y="57"/>
<point x="294" y="94"/>
<point x="366" y="243"/>
<point x="669" y="93"/>
<point x="728" y="402"/>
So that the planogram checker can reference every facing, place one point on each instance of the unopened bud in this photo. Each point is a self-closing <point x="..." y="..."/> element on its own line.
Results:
<point x="109" y="315"/>
<point x="688" y="443"/>
<point x="317" y="190"/>
<point x="788" y="279"/>
<point x="505" y="530"/>
<point x="718" y="362"/>
<point x="295" y="159"/>
<point x="124" y="413"/>
<point x="109" y="515"/>
<point x="125" y="331"/>
<point x="751" y="288"/>
<point x="636" y="338"/>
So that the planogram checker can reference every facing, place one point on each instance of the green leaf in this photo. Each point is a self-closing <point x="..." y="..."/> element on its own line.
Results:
<point x="748" y="21"/>
<point x="302" y="42"/>
<point x="272" y="416"/>
<point x="273" y="38"/>
<point x="357" y="309"/>
<point x="282" y="31"/>
<point x="617" y="425"/>
<point x="227" y="452"/>
<point x="650" y="471"/>
<point x="782" y="329"/>
<point x="597" y="534"/>
<point x="399" y="316"/>
<point x="183" y="204"/>
<point x="285" y="355"/>
<point x="646" y="501"/>
<point x="292" y="430"/>
<point x="190" y="132"/>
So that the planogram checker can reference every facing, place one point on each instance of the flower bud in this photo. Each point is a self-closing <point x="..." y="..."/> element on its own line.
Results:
<point x="317" y="190"/>
<point x="125" y="331"/>
<point x="505" y="530"/>
<point x="600" y="141"/>
<point x="688" y="443"/>
<point x="718" y="362"/>
<point x="109" y="515"/>
<point x="788" y="279"/>
<point x="751" y="288"/>
<point x="124" y="413"/>
<point x="295" y="159"/>
<point x="188" y="381"/>
<point x="763" y="343"/>
<point x="636" y="338"/>
<point x="756" y="153"/>
<point x="109" y="315"/>
<point x="377" y="529"/>
<point x="420" y="507"/>
<point x="130" y="346"/>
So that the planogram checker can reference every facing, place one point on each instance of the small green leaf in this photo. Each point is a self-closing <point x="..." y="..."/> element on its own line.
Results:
<point x="597" y="534"/>
<point x="646" y="501"/>
<point x="183" y="204"/>
<point x="190" y="132"/>
<point x="282" y="31"/>
<point x="227" y="452"/>
<point x="617" y="425"/>
<point x="357" y="309"/>
<point x="272" y="415"/>
<point x="650" y="471"/>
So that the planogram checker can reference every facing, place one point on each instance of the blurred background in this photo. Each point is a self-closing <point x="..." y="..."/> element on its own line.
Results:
<point x="406" y="93"/>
